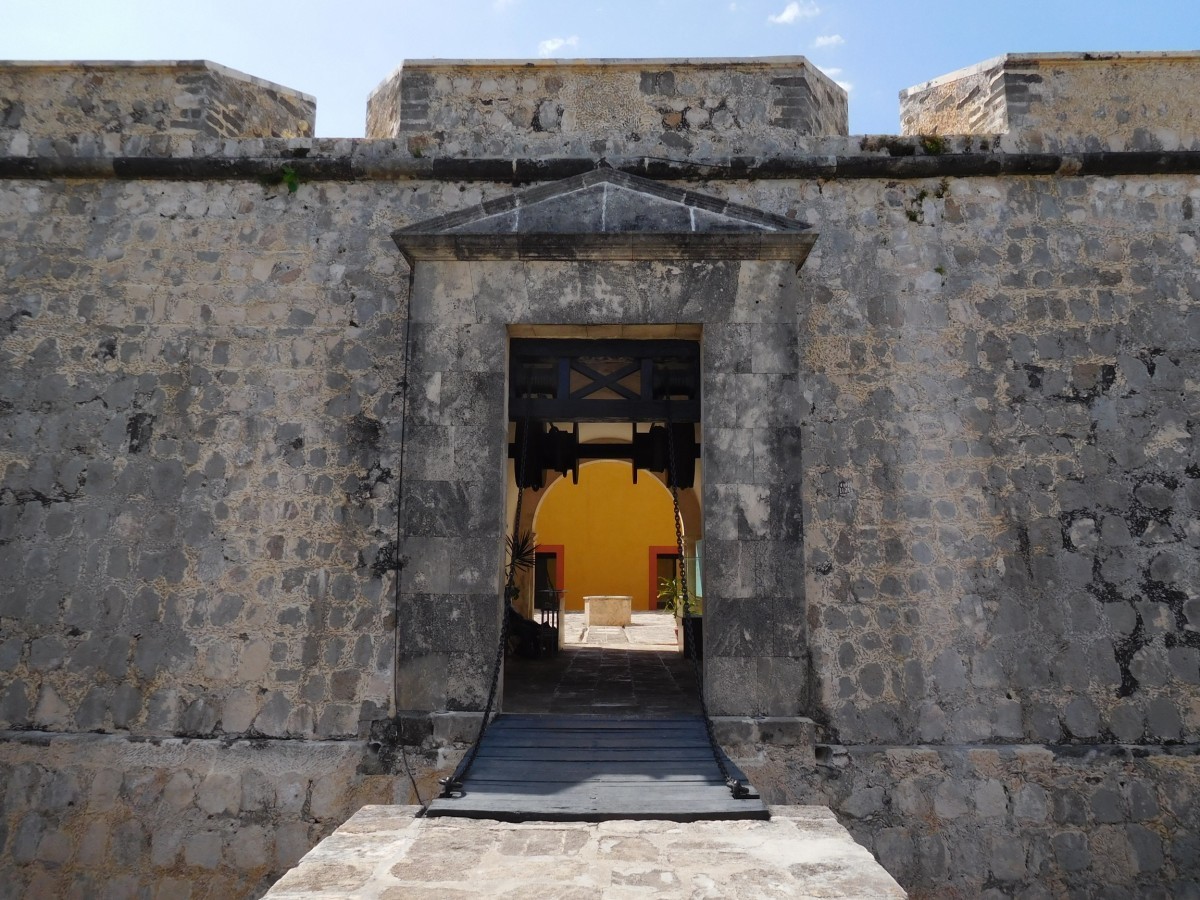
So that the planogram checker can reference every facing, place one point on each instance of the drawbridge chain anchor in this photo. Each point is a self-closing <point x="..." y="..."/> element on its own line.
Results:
<point x="452" y="787"/>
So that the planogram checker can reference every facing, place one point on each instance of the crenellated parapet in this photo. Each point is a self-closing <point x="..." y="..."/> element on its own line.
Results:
<point x="692" y="108"/>
<point x="1065" y="101"/>
<point x="685" y="110"/>
<point x="57" y="100"/>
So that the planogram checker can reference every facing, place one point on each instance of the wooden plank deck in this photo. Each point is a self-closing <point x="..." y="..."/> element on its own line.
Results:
<point x="595" y="769"/>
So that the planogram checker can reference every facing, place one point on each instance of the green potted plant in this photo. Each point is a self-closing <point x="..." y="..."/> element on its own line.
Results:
<point x="526" y="637"/>
<point x="691" y="634"/>
<point x="522" y="552"/>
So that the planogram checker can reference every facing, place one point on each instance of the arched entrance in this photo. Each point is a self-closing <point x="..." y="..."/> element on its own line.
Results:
<point x="605" y="526"/>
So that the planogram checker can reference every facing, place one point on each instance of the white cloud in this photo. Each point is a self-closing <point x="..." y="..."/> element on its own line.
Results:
<point x="733" y="7"/>
<point x="793" y="12"/>
<point x="828" y="40"/>
<point x="832" y="71"/>
<point x="552" y="45"/>
<point x="845" y="86"/>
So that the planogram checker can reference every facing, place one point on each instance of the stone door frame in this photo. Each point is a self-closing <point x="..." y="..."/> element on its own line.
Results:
<point x="648" y="269"/>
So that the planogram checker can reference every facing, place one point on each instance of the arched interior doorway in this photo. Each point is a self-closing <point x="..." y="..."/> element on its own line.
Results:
<point x="607" y="534"/>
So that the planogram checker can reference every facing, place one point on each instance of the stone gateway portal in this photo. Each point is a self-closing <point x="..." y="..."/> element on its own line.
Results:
<point x="611" y="251"/>
<point x="260" y="396"/>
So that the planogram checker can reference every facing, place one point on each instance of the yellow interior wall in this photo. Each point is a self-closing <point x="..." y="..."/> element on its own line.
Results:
<point x="606" y="525"/>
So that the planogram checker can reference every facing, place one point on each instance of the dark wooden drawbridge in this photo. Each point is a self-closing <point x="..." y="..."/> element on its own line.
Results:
<point x="595" y="769"/>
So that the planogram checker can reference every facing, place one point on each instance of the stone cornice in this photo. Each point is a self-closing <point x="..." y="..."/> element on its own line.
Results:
<point x="527" y="171"/>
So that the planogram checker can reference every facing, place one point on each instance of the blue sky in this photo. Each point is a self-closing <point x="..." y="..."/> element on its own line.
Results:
<point x="339" y="51"/>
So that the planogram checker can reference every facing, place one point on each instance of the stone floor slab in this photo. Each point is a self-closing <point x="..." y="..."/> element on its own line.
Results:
<point x="388" y="853"/>
<point x="628" y="679"/>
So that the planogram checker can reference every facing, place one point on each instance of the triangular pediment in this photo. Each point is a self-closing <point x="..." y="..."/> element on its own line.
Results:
<point x="606" y="214"/>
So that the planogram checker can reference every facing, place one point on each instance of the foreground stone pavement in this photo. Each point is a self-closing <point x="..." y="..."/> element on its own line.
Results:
<point x="386" y="852"/>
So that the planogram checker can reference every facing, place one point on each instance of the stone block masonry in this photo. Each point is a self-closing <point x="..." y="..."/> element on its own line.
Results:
<point x="995" y="447"/>
<point x="88" y="815"/>
<point x="699" y="109"/>
<point x="1061" y="101"/>
<point x="216" y="510"/>
<point x="940" y="505"/>
<point x="47" y="101"/>
<point x="1007" y="820"/>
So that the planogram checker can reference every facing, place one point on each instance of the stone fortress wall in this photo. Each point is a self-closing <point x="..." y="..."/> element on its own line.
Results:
<point x="994" y="354"/>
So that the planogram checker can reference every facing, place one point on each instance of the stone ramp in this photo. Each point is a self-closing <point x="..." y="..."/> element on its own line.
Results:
<point x="596" y="768"/>
<point x="388" y="853"/>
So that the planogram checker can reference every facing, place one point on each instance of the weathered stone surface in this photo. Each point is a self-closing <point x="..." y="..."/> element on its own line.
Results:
<point x="386" y="851"/>
<point x="52" y="100"/>
<point x="1057" y="101"/>
<point x="703" y="107"/>
<point x="1015" y="819"/>
<point x="199" y="816"/>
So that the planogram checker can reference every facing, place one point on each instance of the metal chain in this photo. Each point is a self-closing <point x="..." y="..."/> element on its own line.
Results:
<point x="739" y="790"/>
<point x="454" y="783"/>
